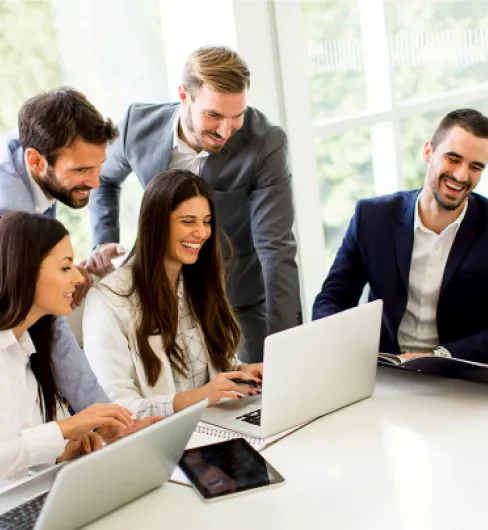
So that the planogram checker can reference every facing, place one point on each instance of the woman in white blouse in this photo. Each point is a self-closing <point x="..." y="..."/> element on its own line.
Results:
<point x="37" y="281"/>
<point x="159" y="332"/>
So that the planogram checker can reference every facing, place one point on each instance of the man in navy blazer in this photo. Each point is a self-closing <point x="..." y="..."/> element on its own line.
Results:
<point x="424" y="252"/>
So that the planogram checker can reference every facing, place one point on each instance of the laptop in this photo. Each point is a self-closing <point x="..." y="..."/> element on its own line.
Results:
<point x="95" y="484"/>
<point x="309" y="371"/>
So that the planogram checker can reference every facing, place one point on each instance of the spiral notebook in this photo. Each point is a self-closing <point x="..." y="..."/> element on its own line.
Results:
<point x="207" y="434"/>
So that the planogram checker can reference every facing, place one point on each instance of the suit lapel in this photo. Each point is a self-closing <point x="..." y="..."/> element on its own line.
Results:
<point x="462" y="242"/>
<point x="404" y="238"/>
<point x="161" y="155"/>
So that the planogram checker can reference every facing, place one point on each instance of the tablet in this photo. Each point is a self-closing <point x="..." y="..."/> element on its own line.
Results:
<point x="227" y="468"/>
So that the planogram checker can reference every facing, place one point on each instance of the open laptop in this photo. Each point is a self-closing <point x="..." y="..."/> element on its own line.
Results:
<point x="100" y="482"/>
<point x="309" y="371"/>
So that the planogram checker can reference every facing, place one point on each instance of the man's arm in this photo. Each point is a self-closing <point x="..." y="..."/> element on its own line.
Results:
<point x="345" y="282"/>
<point x="14" y="195"/>
<point x="104" y="201"/>
<point x="271" y="224"/>
<point x="74" y="377"/>
<point x="472" y="348"/>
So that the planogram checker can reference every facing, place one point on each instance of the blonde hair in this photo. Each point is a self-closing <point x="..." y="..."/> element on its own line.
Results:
<point x="219" y="67"/>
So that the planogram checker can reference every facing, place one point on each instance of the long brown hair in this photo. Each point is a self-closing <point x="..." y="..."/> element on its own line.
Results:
<point x="25" y="240"/>
<point x="203" y="281"/>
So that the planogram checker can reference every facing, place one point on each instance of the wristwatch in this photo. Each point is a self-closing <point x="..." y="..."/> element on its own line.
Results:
<point x="440" y="351"/>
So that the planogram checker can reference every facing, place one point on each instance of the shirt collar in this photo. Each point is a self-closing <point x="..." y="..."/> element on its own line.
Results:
<point x="181" y="287"/>
<point x="8" y="338"/>
<point x="418" y="222"/>
<point x="179" y="144"/>
<point x="41" y="202"/>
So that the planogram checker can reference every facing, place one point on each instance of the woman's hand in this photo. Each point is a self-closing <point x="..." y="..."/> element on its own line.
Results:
<point x="81" y="446"/>
<point x="111" y="434"/>
<point x="223" y="387"/>
<point x="254" y="370"/>
<point x="93" y="417"/>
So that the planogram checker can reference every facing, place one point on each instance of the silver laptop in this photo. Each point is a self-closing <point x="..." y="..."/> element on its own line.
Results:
<point x="309" y="371"/>
<point x="100" y="482"/>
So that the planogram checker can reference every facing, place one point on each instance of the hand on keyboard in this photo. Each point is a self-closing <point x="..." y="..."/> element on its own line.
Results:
<point x="223" y="386"/>
<point x="81" y="446"/>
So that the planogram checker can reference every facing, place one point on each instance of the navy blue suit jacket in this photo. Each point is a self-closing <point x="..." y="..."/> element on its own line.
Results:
<point x="377" y="249"/>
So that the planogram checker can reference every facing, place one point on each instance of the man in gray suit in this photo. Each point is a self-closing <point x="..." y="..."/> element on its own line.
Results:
<point x="57" y="154"/>
<point x="244" y="159"/>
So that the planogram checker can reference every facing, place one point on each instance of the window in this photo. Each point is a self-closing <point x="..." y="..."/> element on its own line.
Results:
<point x="380" y="75"/>
<point x="112" y="51"/>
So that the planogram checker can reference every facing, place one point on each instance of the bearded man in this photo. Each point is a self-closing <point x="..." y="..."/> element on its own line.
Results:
<point x="212" y="132"/>
<point x="424" y="252"/>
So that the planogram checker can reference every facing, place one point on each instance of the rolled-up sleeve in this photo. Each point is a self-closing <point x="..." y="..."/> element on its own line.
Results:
<point x="34" y="446"/>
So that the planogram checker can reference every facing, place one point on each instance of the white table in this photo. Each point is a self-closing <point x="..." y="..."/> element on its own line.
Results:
<point x="414" y="456"/>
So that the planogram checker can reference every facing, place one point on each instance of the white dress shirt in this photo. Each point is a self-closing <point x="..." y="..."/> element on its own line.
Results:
<point x="110" y="344"/>
<point x="42" y="203"/>
<point x="182" y="155"/>
<point x="25" y="440"/>
<point x="418" y="329"/>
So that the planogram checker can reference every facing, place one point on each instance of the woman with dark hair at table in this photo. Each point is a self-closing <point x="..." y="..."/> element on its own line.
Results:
<point x="37" y="282"/>
<point x="159" y="331"/>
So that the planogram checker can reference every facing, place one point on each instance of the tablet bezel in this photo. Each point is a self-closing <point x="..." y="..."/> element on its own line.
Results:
<point x="199" y="486"/>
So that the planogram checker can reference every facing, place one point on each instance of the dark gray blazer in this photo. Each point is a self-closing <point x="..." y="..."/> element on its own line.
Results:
<point x="252" y="190"/>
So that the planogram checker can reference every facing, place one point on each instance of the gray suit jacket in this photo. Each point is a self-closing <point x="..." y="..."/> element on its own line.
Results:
<point x="75" y="379"/>
<point x="252" y="191"/>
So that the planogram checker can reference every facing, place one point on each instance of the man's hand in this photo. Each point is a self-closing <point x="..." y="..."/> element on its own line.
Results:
<point x="86" y="444"/>
<point x="100" y="262"/>
<point x="110" y="434"/>
<point x="416" y="355"/>
<point x="83" y="288"/>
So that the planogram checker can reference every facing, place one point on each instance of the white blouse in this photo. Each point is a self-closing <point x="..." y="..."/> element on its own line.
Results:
<point x="110" y="344"/>
<point x="25" y="440"/>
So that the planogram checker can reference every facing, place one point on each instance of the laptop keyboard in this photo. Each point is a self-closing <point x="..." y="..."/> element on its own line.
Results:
<point x="253" y="417"/>
<point x="23" y="517"/>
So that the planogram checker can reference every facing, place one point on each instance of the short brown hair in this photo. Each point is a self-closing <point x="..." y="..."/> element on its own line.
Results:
<point x="219" y="67"/>
<point x="470" y="120"/>
<point x="56" y="119"/>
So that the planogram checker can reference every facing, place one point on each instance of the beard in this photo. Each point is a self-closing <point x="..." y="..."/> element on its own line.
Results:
<point x="450" y="205"/>
<point x="50" y="184"/>
<point x="198" y="136"/>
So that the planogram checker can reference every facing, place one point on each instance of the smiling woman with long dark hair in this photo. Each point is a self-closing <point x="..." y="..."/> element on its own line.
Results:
<point x="159" y="331"/>
<point x="37" y="282"/>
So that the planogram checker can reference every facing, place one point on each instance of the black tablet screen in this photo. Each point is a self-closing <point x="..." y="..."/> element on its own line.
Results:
<point x="227" y="467"/>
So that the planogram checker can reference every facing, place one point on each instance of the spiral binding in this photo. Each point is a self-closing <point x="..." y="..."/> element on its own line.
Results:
<point x="229" y="435"/>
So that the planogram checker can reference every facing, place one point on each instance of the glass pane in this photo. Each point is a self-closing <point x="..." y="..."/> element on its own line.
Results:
<point x="78" y="221"/>
<point x="437" y="46"/>
<point x="28" y="54"/>
<point x="345" y="173"/>
<point x="415" y="131"/>
<point x="111" y="50"/>
<point x="336" y="74"/>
